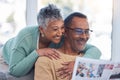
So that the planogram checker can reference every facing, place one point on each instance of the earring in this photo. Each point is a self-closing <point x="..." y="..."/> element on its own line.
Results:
<point x="42" y="35"/>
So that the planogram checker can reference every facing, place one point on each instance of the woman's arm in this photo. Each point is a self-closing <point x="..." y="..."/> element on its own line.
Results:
<point x="21" y="64"/>
<point x="92" y="52"/>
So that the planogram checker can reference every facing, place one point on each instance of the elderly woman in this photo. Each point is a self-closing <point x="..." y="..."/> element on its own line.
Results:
<point x="22" y="51"/>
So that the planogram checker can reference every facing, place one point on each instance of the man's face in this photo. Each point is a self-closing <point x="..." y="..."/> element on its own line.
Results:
<point x="78" y="33"/>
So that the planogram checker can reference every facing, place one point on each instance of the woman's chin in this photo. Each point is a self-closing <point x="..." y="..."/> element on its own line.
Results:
<point x="56" y="41"/>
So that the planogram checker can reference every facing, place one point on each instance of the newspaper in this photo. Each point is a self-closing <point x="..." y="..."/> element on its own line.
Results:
<point x="92" y="69"/>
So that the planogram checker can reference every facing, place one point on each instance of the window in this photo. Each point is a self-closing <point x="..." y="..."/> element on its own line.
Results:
<point x="99" y="13"/>
<point x="12" y="18"/>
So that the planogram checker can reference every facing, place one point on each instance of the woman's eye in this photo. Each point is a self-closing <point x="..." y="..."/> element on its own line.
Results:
<point x="62" y="28"/>
<point x="55" y="29"/>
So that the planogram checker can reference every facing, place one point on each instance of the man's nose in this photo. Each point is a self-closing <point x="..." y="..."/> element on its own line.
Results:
<point x="84" y="35"/>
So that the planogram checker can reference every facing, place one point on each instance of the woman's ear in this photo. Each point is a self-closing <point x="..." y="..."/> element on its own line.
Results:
<point x="40" y="28"/>
<point x="41" y="31"/>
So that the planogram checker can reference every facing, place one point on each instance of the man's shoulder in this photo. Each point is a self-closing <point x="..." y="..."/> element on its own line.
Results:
<point x="43" y="59"/>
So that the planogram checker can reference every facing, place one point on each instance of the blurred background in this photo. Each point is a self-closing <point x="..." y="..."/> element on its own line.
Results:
<point x="16" y="14"/>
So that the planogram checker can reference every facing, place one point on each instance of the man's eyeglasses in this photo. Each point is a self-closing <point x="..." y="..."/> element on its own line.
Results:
<point x="80" y="31"/>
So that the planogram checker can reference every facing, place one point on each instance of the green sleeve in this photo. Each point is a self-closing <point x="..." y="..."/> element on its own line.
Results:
<point x="23" y="53"/>
<point x="21" y="64"/>
<point x="92" y="52"/>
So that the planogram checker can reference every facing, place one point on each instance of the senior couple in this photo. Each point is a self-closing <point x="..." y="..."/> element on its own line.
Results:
<point x="51" y="47"/>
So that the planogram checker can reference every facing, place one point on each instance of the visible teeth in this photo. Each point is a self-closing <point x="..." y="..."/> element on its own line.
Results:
<point x="57" y="37"/>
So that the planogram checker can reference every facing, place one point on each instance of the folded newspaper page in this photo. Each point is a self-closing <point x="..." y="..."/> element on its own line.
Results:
<point x="92" y="69"/>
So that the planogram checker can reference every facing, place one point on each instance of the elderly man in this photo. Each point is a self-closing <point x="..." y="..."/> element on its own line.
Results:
<point x="76" y="35"/>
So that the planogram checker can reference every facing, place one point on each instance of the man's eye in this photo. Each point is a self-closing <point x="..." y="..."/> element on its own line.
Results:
<point x="79" y="32"/>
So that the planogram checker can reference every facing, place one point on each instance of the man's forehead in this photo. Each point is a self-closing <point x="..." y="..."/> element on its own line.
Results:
<point x="79" y="23"/>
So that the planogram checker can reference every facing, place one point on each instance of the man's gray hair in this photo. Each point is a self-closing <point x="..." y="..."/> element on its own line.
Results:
<point x="48" y="13"/>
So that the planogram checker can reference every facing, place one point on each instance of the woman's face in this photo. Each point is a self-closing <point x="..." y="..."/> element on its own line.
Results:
<point x="54" y="31"/>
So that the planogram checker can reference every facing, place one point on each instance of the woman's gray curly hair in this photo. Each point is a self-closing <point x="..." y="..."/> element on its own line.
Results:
<point x="48" y="13"/>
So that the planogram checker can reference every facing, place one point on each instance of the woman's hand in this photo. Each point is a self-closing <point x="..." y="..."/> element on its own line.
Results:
<point x="48" y="52"/>
<point x="66" y="70"/>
